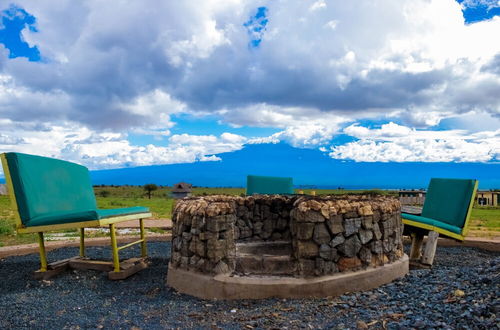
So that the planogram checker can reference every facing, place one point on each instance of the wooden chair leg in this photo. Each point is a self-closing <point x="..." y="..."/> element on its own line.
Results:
<point x="416" y="246"/>
<point x="430" y="248"/>
<point x="82" y="242"/>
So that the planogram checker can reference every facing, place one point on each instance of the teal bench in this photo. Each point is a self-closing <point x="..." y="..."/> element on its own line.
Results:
<point x="49" y="194"/>
<point x="269" y="185"/>
<point x="446" y="211"/>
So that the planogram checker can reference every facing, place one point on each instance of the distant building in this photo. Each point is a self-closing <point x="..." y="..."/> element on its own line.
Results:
<point x="181" y="190"/>
<point x="488" y="198"/>
<point x="412" y="197"/>
<point x="3" y="189"/>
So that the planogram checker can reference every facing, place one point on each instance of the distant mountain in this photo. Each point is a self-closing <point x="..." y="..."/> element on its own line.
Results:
<point x="308" y="167"/>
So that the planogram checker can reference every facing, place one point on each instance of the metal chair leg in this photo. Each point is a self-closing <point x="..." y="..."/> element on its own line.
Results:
<point x="82" y="242"/>
<point x="114" y="248"/>
<point x="144" y="249"/>
<point x="43" y="254"/>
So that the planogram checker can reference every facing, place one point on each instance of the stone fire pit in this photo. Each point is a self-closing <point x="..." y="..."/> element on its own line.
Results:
<point x="229" y="247"/>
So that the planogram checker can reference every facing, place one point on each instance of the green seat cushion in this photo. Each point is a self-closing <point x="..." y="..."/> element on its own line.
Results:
<point x="269" y="185"/>
<point x="46" y="186"/>
<point x="448" y="200"/>
<point x="50" y="191"/>
<point x="108" y="213"/>
<point x="56" y="218"/>
<point x="432" y="222"/>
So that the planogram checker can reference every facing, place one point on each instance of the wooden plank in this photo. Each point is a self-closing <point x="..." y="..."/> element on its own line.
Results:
<point x="104" y="266"/>
<point x="430" y="248"/>
<point x="38" y="275"/>
<point x="123" y="274"/>
<point x="416" y="246"/>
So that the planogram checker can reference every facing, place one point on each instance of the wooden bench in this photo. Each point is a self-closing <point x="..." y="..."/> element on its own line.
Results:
<point x="49" y="194"/>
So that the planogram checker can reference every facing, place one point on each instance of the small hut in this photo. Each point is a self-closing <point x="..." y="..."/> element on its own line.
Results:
<point x="3" y="189"/>
<point x="181" y="190"/>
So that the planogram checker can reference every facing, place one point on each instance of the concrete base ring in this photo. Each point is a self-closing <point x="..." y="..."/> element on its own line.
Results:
<point x="223" y="287"/>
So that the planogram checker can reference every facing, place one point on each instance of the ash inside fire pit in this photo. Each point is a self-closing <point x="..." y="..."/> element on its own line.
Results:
<point x="285" y="236"/>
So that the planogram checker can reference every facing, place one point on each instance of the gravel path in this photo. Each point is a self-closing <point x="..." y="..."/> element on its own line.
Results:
<point x="87" y="299"/>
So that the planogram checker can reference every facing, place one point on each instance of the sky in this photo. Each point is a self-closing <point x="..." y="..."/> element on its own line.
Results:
<point x="115" y="84"/>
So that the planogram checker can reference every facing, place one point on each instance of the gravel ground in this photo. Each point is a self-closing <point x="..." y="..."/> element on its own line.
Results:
<point x="87" y="299"/>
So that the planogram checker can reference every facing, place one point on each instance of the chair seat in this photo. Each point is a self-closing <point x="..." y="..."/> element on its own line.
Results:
<point x="55" y="218"/>
<point x="432" y="222"/>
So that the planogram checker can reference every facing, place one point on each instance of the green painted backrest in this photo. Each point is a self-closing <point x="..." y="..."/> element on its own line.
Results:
<point x="269" y="185"/>
<point x="448" y="200"/>
<point x="44" y="185"/>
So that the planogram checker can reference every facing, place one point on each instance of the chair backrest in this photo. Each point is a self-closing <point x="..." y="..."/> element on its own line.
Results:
<point x="449" y="200"/>
<point x="269" y="185"/>
<point x="44" y="185"/>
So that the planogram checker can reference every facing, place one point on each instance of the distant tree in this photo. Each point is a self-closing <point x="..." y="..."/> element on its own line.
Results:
<point x="149" y="188"/>
<point x="104" y="193"/>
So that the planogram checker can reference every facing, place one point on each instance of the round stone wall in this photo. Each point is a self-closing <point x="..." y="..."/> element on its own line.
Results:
<point x="328" y="235"/>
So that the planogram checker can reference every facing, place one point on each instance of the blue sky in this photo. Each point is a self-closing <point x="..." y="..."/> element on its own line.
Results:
<point x="177" y="82"/>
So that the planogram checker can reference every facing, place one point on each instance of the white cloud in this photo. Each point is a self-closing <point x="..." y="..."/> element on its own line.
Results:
<point x="396" y="143"/>
<point x="129" y="67"/>
<point x="76" y="143"/>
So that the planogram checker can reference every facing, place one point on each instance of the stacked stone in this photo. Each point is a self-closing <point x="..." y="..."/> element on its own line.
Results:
<point x="203" y="234"/>
<point x="263" y="217"/>
<point x="335" y="234"/>
<point x="328" y="234"/>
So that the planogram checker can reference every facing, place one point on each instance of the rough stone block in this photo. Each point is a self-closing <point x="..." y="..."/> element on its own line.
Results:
<point x="335" y="224"/>
<point x="221" y="268"/>
<point x="351" y="214"/>
<point x="186" y="236"/>
<point x="365" y="235"/>
<point x="351" y="226"/>
<point x="367" y="222"/>
<point x="304" y="230"/>
<point x="337" y="240"/>
<point x="201" y="249"/>
<point x="245" y="232"/>
<point x="307" y="249"/>
<point x="346" y="264"/>
<point x="306" y="267"/>
<point x="351" y="246"/>
<point x="376" y="247"/>
<point x="319" y="264"/>
<point x="325" y="251"/>
<point x="307" y="216"/>
<point x="321" y="235"/>
<point x="208" y="236"/>
<point x="376" y="231"/>
<point x="365" y="255"/>
<point x="218" y="223"/>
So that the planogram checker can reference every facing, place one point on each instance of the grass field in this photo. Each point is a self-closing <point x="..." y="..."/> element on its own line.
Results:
<point x="485" y="221"/>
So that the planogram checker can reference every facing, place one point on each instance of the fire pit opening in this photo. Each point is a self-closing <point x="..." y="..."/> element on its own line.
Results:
<point x="236" y="244"/>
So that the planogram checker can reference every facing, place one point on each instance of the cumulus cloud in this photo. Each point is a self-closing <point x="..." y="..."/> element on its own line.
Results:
<point x="126" y="67"/>
<point x="397" y="143"/>
<point x="99" y="150"/>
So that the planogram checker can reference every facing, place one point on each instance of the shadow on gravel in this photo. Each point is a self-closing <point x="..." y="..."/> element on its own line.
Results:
<point x="87" y="299"/>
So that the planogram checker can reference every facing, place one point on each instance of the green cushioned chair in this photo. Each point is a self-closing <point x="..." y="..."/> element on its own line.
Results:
<point x="447" y="208"/>
<point x="269" y="185"/>
<point x="50" y="194"/>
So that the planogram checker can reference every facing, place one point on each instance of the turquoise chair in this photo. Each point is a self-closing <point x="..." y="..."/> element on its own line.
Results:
<point x="446" y="211"/>
<point x="269" y="185"/>
<point x="50" y="194"/>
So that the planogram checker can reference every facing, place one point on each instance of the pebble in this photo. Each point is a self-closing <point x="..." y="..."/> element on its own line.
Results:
<point x="87" y="299"/>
